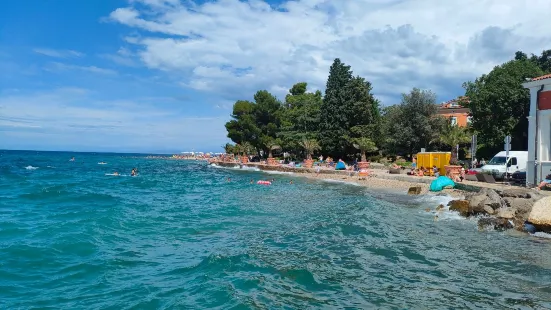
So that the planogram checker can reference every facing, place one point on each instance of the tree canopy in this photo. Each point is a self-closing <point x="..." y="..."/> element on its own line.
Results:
<point x="500" y="105"/>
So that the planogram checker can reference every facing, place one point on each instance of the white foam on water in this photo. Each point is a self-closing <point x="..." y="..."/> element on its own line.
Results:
<point x="340" y="182"/>
<point x="278" y="172"/>
<point x="541" y="234"/>
<point x="236" y="167"/>
<point x="31" y="168"/>
<point x="434" y="200"/>
<point x="247" y="168"/>
<point x="116" y="175"/>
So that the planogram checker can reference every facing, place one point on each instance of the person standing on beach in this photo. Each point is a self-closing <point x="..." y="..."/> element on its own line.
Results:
<point x="435" y="171"/>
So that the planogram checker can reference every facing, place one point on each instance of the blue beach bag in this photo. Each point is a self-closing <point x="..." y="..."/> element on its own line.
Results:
<point x="440" y="183"/>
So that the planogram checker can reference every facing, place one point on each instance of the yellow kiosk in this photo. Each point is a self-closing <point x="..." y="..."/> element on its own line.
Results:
<point x="429" y="159"/>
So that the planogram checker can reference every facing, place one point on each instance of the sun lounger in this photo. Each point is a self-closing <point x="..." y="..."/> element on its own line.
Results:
<point x="483" y="177"/>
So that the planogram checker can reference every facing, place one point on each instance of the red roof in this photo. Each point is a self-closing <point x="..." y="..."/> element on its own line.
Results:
<point x="543" y="77"/>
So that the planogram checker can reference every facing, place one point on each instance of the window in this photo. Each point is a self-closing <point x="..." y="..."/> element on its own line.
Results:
<point x="469" y="119"/>
<point x="513" y="161"/>
<point x="453" y="120"/>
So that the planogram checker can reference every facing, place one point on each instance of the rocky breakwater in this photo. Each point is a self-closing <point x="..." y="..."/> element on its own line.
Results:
<point x="500" y="210"/>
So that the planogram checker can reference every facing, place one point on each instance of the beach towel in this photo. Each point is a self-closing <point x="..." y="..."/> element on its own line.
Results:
<point x="440" y="183"/>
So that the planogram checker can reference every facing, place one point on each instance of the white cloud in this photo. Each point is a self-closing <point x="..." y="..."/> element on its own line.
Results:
<point x="57" y="66"/>
<point x="73" y="118"/>
<point x="123" y="57"/>
<point x="236" y="47"/>
<point x="58" y="53"/>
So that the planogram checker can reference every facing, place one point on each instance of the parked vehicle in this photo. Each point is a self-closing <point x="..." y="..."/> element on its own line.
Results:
<point x="500" y="164"/>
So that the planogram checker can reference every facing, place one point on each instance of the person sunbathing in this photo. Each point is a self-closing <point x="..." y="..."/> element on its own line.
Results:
<point x="545" y="182"/>
<point x="421" y="172"/>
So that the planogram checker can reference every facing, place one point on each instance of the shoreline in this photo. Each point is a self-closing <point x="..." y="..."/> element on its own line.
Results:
<point x="396" y="184"/>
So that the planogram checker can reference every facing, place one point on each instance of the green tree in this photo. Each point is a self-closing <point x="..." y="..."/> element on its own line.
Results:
<point x="365" y="145"/>
<point x="272" y="145"/>
<point x="267" y="114"/>
<point x="300" y="117"/>
<point x="309" y="146"/>
<point x="500" y="105"/>
<point x="243" y="127"/>
<point x="229" y="148"/>
<point x="348" y="111"/>
<point x="412" y="124"/>
<point x="453" y="136"/>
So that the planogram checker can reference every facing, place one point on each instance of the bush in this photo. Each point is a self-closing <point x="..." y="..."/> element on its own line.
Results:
<point x="375" y="158"/>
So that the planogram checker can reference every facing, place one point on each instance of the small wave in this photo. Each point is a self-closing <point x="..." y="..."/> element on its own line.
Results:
<point x="31" y="168"/>
<point x="102" y="163"/>
<point x="116" y="175"/>
<point x="247" y="168"/>
<point x="236" y="167"/>
<point x="341" y="182"/>
<point x="50" y="167"/>
<point x="279" y="172"/>
<point x="435" y="200"/>
<point x="541" y="234"/>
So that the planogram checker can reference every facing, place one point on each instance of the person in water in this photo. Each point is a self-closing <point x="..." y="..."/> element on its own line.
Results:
<point x="116" y="173"/>
<point x="133" y="173"/>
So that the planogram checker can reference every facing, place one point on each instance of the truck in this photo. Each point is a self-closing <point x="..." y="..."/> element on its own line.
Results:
<point x="501" y="164"/>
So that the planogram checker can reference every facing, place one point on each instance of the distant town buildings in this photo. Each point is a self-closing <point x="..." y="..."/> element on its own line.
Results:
<point x="455" y="111"/>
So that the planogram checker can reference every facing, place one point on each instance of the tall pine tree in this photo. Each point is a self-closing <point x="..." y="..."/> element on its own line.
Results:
<point x="349" y="111"/>
<point x="333" y="120"/>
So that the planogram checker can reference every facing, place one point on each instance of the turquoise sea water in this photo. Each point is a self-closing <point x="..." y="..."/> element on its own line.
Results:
<point x="179" y="236"/>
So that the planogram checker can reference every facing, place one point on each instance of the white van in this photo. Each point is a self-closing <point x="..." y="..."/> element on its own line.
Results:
<point x="516" y="161"/>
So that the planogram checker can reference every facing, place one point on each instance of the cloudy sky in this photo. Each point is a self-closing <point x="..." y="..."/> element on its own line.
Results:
<point x="161" y="75"/>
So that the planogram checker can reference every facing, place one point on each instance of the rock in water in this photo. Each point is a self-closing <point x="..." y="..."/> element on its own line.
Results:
<point x="506" y="213"/>
<point x="540" y="216"/>
<point x="521" y="205"/>
<point x="461" y="206"/>
<point x="414" y="190"/>
<point x="477" y="202"/>
<point x="494" y="223"/>
<point x="440" y="207"/>
<point x="488" y="209"/>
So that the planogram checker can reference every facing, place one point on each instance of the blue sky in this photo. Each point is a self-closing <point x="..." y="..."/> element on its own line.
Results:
<point x="161" y="75"/>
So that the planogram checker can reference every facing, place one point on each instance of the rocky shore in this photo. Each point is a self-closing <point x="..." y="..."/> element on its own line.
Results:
<point x="514" y="208"/>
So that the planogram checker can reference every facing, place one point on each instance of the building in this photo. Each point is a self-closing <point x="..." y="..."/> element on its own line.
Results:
<point x="539" y="130"/>
<point x="455" y="111"/>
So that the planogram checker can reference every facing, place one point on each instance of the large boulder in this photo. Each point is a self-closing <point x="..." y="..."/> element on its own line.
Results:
<point x="506" y="213"/>
<point x="461" y="206"/>
<point x="540" y="215"/>
<point x="522" y="206"/>
<point x="477" y="202"/>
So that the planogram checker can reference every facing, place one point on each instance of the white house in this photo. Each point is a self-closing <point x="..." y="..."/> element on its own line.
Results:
<point x="539" y="130"/>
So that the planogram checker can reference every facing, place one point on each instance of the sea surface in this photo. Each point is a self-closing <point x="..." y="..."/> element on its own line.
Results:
<point x="180" y="236"/>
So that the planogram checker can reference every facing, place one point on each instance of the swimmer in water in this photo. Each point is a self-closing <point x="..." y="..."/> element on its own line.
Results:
<point x="252" y="181"/>
<point x="116" y="173"/>
<point x="228" y="180"/>
<point x="72" y="159"/>
<point x="291" y="182"/>
<point x="133" y="173"/>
